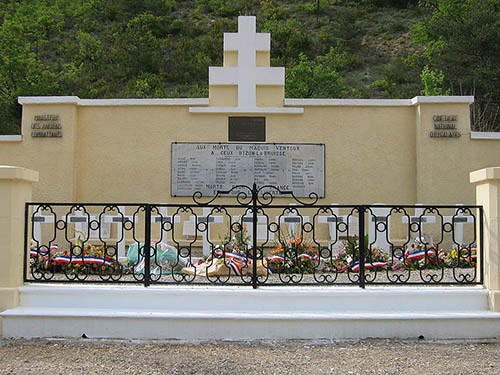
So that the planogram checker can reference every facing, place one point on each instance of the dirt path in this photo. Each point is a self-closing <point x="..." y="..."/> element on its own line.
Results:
<point x="88" y="357"/>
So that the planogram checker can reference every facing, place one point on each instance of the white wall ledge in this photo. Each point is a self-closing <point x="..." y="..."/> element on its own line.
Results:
<point x="485" y="135"/>
<point x="48" y="100"/>
<point x="348" y="102"/>
<point x="205" y="102"/>
<point x="110" y="102"/>
<point x="11" y="138"/>
<point x="243" y="110"/>
<point x="442" y="100"/>
<point x="382" y="102"/>
<point x="143" y="102"/>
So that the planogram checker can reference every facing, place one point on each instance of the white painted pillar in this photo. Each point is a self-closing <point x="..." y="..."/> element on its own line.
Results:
<point x="487" y="183"/>
<point x="15" y="190"/>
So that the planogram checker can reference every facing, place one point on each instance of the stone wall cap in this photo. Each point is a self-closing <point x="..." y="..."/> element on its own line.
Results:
<point x="485" y="135"/>
<point x="48" y="99"/>
<point x="382" y="102"/>
<point x="18" y="173"/>
<point x="205" y="101"/>
<point x="11" y="138"/>
<point x="111" y="102"/>
<point x="485" y="174"/>
<point x="442" y="100"/>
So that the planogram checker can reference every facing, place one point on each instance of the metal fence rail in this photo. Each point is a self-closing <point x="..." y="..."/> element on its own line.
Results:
<point x="254" y="242"/>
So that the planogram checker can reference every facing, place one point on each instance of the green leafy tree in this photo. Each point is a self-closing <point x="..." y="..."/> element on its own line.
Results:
<point x="432" y="82"/>
<point x="317" y="78"/>
<point x="462" y="39"/>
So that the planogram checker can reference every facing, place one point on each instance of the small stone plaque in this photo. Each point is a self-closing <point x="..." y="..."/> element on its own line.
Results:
<point x="46" y="126"/>
<point x="247" y="129"/>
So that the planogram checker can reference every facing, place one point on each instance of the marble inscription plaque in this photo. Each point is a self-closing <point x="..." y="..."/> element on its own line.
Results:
<point x="247" y="129"/>
<point x="209" y="167"/>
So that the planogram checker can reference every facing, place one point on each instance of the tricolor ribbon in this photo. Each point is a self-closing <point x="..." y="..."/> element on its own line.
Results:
<point x="355" y="267"/>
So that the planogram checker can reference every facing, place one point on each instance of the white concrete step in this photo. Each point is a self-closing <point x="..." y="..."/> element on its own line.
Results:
<point x="223" y="299"/>
<point x="241" y="313"/>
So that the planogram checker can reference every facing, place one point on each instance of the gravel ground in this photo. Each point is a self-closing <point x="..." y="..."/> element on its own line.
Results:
<point x="85" y="356"/>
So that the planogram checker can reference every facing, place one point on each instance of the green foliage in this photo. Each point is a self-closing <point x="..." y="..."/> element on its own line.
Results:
<point x="386" y="87"/>
<point x="461" y="40"/>
<point x="432" y="82"/>
<point x="223" y="8"/>
<point x="317" y="78"/>
<point x="163" y="48"/>
<point x="390" y="3"/>
<point x="289" y="40"/>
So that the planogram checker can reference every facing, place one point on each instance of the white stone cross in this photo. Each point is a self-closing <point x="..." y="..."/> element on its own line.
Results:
<point x="292" y="220"/>
<point x="81" y="222"/>
<point x="379" y="216"/>
<point x="78" y="219"/>
<point x="37" y="220"/>
<point x="419" y="218"/>
<point x="208" y="219"/>
<point x="247" y="75"/>
<point x="458" y="221"/>
<point x="333" y="221"/>
<point x="164" y="218"/>
<point x="119" y="221"/>
<point x="262" y="232"/>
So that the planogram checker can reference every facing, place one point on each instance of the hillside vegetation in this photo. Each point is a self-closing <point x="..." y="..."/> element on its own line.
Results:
<point x="330" y="48"/>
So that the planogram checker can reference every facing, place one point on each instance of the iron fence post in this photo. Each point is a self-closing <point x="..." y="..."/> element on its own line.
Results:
<point x="254" y="236"/>
<point x="362" y="249"/>
<point x="147" y="246"/>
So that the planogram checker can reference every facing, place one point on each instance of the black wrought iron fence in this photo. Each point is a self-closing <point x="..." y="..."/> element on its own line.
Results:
<point x="254" y="242"/>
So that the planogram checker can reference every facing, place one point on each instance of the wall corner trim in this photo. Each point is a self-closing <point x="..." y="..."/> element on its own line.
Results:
<point x="48" y="100"/>
<point x="485" y="174"/>
<point x="442" y="100"/>
<point x="8" y="172"/>
<point x="11" y="138"/>
<point x="485" y="135"/>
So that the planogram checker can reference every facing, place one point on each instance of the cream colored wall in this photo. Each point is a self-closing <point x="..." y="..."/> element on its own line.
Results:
<point x="53" y="157"/>
<point x="270" y="96"/>
<point x="362" y="149"/>
<point x="128" y="149"/>
<point x="373" y="154"/>
<point x="443" y="164"/>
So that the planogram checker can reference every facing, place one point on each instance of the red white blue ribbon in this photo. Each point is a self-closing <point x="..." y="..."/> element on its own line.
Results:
<point x="355" y="267"/>
<point x="61" y="259"/>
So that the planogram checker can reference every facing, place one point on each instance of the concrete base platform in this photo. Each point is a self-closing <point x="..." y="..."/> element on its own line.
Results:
<point x="240" y="313"/>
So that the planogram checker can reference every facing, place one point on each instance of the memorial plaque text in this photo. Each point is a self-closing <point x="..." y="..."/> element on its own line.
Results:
<point x="209" y="167"/>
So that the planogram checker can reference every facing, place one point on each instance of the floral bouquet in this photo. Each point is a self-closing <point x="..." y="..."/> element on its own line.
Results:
<point x="348" y="256"/>
<point x="238" y="243"/>
<point x="296" y="255"/>
<point x="233" y="257"/>
<point x="420" y="255"/>
<point x="462" y="258"/>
